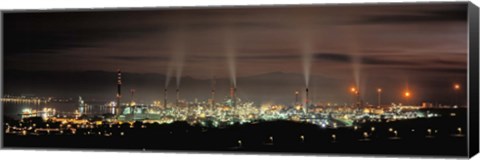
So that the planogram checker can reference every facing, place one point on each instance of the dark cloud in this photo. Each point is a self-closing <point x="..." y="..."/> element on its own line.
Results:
<point x="138" y="58"/>
<point x="269" y="57"/>
<point x="461" y="71"/>
<point x="251" y="57"/>
<point x="201" y="26"/>
<point x="47" y="33"/>
<point x="380" y="61"/>
<point x="368" y="60"/>
<point x="337" y="57"/>
<point x="451" y="62"/>
<point x="453" y="13"/>
<point x="48" y="42"/>
<point x="25" y="43"/>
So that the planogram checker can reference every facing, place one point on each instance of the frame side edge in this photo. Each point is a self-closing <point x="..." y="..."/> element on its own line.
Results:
<point x="473" y="89"/>
<point x="1" y="77"/>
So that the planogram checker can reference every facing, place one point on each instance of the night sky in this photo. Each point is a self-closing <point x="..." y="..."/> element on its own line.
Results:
<point x="422" y="47"/>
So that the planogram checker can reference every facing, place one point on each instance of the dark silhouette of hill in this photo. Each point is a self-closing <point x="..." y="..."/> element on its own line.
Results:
<point x="412" y="138"/>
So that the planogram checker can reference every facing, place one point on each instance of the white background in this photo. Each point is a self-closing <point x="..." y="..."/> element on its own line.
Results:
<point x="83" y="155"/>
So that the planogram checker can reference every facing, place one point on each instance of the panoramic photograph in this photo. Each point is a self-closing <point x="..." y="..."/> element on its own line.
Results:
<point x="370" y="79"/>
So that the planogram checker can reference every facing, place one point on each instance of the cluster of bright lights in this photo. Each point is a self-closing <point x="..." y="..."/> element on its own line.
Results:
<point x="224" y="113"/>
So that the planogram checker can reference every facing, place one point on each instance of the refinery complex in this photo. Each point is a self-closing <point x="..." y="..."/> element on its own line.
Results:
<point x="215" y="112"/>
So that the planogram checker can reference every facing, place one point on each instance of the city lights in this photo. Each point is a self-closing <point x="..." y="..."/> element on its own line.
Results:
<point x="239" y="142"/>
<point x="135" y="116"/>
<point x="365" y="135"/>
<point x="353" y="90"/>
<point x="456" y="86"/>
<point x="407" y="94"/>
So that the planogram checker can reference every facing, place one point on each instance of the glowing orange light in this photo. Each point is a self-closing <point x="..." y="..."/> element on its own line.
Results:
<point x="456" y="86"/>
<point x="379" y="90"/>
<point x="407" y="94"/>
<point x="353" y="89"/>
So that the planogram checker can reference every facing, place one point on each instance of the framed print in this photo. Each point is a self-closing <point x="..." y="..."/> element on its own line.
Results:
<point x="396" y="79"/>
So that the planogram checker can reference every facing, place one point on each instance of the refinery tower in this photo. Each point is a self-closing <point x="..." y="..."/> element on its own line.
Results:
<point x="119" y="93"/>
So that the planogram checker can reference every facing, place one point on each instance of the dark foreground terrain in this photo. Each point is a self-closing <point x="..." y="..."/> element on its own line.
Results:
<point x="412" y="138"/>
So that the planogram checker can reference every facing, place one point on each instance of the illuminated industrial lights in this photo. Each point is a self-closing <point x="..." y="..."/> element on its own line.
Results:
<point x="239" y="143"/>
<point x="353" y="90"/>
<point x="274" y="112"/>
<point x="365" y="135"/>
<point x="407" y="94"/>
<point x="456" y="86"/>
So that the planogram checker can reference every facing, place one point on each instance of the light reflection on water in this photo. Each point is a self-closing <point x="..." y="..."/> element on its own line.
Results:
<point x="13" y="110"/>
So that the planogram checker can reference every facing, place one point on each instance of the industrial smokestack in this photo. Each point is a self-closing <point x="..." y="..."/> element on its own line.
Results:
<point x="82" y="108"/>
<point x="178" y="97"/>
<point x="357" y="99"/>
<point x="119" y="92"/>
<point x="132" y="103"/>
<point x="233" y="93"/>
<point x="296" y="98"/>
<point x="213" y="93"/>
<point x="132" y="91"/>
<point x="165" y="98"/>
<point x="306" y="96"/>
<point x="235" y="96"/>
<point x="306" y="100"/>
